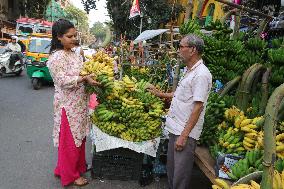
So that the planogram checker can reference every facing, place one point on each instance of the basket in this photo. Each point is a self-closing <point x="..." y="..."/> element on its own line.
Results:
<point x="117" y="164"/>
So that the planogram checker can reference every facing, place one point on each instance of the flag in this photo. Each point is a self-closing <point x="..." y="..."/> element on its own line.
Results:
<point x="135" y="9"/>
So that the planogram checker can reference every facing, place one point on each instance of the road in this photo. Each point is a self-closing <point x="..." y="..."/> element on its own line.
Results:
<point x="27" y="155"/>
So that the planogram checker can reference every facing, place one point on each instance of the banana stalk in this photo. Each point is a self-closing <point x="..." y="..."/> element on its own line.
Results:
<point x="270" y="124"/>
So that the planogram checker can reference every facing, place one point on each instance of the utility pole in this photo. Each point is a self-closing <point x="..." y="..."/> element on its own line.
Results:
<point x="141" y="21"/>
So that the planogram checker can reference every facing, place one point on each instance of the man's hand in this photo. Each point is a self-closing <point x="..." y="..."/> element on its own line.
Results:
<point x="154" y="91"/>
<point x="181" y="142"/>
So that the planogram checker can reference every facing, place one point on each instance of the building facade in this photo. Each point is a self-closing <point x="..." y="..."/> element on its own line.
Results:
<point x="10" y="9"/>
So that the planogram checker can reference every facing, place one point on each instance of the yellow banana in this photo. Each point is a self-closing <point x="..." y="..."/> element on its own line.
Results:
<point x="222" y="183"/>
<point x="245" y="143"/>
<point x="216" y="187"/>
<point x="280" y="137"/>
<point x="254" y="184"/>
<point x="280" y="148"/>
<point x="245" y="122"/>
<point x="251" y="126"/>
<point x="249" y="140"/>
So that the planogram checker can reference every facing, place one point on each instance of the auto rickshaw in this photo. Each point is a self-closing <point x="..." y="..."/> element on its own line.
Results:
<point x="37" y="56"/>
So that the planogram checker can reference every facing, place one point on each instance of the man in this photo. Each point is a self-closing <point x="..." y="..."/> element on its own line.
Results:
<point x="16" y="52"/>
<point x="14" y="46"/>
<point x="186" y="114"/>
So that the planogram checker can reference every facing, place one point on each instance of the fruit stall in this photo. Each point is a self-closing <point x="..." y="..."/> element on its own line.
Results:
<point x="238" y="145"/>
<point x="236" y="140"/>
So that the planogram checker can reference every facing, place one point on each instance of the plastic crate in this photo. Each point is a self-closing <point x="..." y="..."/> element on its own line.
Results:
<point x="117" y="164"/>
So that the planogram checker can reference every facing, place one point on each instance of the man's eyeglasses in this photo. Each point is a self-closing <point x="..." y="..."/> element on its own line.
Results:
<point x="184" y="46"/>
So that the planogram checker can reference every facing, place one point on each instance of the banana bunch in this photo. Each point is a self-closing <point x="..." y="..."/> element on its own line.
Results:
<point x="280" y="145"/>
<point x="220" y="184"/>
<point x="252" y="185"/>
<point x="278" y="180"/>
<point x="232" y="113"/>
<point x="102" y="57"/>
<point x="94" y="67"/>
<point x="142" y="85"/>
<point x="231" y="140"/>
<point x="280" y="127"/>
<point x="191" y="26"/>
<point x="127" y="110"/>
<point x="253" y="137"/>
<point x="128" y="83"/>
<point x="251" y="162"/>
<point x="279" y="165"/>
<point x="131" y="102"/>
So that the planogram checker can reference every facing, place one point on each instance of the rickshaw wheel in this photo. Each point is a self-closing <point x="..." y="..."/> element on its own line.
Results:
<point x="36" y="83"/>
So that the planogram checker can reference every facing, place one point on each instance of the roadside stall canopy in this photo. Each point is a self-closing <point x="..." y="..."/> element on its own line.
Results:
<point x="149" y="34"/>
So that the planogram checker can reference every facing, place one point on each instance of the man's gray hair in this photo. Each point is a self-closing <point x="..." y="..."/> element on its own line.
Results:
<point x="196" y="41"/>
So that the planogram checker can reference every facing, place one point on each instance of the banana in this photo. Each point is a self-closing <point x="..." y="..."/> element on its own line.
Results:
<point x="277" y="183"/>
<point x="254" y="184"/>
<point x="249" y="140"/>
<point x="282" y="179"/>
<point x="280" y="137"/>
<point x="280" y="148"/>
<point x="238" y="121"/>
<point x="251" y="135"/>
<point x="216" y="187"/>
<point x="222" y="183"/>
<point x="251" y="126"/>
<point x="245" y="122"/>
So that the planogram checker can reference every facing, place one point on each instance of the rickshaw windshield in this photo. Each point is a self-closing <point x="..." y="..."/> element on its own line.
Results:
<point x="39" y="45"/>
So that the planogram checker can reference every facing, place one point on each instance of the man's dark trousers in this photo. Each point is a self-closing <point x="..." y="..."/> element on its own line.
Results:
<point x="180" y="163"/>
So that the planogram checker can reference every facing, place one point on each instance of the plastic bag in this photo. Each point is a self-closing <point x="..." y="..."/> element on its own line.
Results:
<point x="93" y="102"/>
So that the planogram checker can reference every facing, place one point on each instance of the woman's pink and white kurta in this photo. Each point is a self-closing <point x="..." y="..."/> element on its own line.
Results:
<point x="64" y="68"/>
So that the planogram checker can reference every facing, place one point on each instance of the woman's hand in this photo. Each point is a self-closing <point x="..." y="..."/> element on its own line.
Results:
<point x="89" y="79"/>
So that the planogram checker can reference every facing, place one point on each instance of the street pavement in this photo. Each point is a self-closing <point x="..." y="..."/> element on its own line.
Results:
<point x="27" y="155"/>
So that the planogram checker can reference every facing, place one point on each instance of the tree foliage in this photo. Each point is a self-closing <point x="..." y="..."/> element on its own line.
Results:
<point x="159" y="11"/>
<point x="89" y="4"/>
<point x="35" y="8"/>
<point x="78" y="17"/>
<point x="99" y="30"/>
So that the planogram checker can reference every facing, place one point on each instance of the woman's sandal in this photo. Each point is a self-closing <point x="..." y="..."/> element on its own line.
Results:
<point x="82" y="182"/>
<point x="56" y="176"/>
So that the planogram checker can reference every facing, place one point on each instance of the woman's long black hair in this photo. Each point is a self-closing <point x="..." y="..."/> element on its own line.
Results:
<point x="59" y="28"/>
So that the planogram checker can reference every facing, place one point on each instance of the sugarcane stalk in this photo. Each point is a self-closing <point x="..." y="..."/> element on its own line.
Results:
<point x="271" y="113"/>
<point x="231" y="84"/>
<point x="264" y="91"/>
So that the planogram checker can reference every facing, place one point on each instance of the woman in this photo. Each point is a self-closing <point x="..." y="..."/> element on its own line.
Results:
<point x="70" y="104"/>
